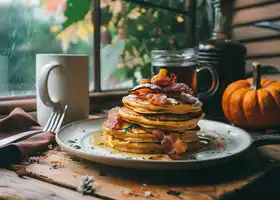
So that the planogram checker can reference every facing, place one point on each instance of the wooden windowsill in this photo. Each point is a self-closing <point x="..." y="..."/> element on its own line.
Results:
<point x="98" y="102"/>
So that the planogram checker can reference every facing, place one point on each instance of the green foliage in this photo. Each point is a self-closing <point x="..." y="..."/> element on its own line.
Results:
<point x="106" y="16"/>
<point x="124" y="73"/>
<point x="153" y="29"/>
<point x="146" y="71"/>
<point x="75" y="11"/>
<point x="130" y="42"/>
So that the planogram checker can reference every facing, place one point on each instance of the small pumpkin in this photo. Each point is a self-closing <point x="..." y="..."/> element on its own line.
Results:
<point x="254" y="102"/>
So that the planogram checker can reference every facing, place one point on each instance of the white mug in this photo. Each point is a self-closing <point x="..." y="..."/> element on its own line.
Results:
<point x="62" y="79"/>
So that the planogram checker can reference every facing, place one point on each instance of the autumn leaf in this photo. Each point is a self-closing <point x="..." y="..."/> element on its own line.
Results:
<point x="80" y="30"/>
<point x="53" y="5"/>
<point x="42" y="2"/>
<point x="117" y="7"/>
<point x="55" y="28"/>
<point x="50" y="5"/>
<point x="114" y="7"/>
<point x="104" y="3"/>
<point x="134" y="14"/>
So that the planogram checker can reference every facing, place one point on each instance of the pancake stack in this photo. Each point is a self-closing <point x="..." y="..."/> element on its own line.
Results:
<point x="158" y="117"/>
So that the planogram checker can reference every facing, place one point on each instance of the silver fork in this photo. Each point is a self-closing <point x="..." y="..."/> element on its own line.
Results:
<point x="55" y="120"/>
<point x="53" y="125"/>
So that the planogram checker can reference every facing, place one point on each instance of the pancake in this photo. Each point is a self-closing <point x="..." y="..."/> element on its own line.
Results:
<point x="157" y="117"/>
<point x="134" y="147"/>
<point x="143" y="148"/>
<point x="136" y="118"/>
<point x="173" y="117"/>
<point x="144" y="107"/>
<point x="133" y="135"/>
<point x="141" y="135"/>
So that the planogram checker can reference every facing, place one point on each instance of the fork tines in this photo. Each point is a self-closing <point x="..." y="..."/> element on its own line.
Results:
<point x="55" y="121"/>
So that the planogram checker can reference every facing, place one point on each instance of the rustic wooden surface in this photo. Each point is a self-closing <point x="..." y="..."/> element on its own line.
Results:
<point x="12" y="187"/>
<point x="62" y="171"/>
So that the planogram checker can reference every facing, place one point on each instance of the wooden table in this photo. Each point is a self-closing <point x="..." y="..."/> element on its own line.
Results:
<point x="57" y="175"/>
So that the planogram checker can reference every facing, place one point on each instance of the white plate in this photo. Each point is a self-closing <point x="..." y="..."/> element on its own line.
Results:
<point x="75" y="139"/>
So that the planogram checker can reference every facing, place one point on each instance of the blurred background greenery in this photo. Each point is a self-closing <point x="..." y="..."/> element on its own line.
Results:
<point x="128" y="33"/>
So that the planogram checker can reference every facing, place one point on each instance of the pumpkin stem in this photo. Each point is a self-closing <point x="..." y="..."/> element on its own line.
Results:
<point x="256" y="75"/>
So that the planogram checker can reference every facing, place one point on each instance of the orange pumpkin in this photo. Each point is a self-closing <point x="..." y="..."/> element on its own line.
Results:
<point x="253" y="103"/>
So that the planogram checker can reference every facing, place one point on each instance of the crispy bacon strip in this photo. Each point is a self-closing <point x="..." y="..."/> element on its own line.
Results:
<point x="114" y="120"/>
<point x="156" y="99"/>
<point x="158" y="133"/>
<point x="172" y="145"/>
<point x="144" y="81"/>
<point x="178" y="87"/>
<point x="163" y="79"/>
<point x="145" y="88"/>
<point x="188" y="98"/>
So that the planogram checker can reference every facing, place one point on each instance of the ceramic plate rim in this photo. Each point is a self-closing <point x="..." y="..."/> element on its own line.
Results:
<point x="78" y="153"/>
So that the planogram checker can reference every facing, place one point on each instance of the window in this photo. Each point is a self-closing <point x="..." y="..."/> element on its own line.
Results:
<point x="28" y="27"/>
<point x="129" y="31"/>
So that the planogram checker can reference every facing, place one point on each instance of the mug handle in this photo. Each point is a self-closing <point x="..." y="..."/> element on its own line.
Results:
<point x="215" y="81"/>
<point x="43" y="84"/>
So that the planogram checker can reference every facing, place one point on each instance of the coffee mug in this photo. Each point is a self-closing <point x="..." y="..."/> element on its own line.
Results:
<point x="62" y="80"/>
<point x="188" y="70"/>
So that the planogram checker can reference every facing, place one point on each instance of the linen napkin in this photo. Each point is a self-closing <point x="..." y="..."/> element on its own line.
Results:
<point x="19" y="121"/>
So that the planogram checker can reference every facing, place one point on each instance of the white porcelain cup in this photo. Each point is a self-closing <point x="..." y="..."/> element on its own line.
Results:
<point x="62" y="79"/>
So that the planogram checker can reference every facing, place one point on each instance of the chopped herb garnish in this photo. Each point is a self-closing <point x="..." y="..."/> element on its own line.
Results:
<point x="77" y="147"/>
<point x="174" y="192"/>
<point x="101" y="143"/>
<point x="71" y="141"/>
<point x="130" y="126"/>
<point x="193" y="158"/>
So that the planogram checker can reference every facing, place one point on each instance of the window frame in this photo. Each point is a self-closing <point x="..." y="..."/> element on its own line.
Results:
<point x="107" y="97"/>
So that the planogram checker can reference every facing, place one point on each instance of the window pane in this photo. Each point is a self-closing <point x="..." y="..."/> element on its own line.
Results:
<point x="130" y="31"/>
<point x="28" y="27"/>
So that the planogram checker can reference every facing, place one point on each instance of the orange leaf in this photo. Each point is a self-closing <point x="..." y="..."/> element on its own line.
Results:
<point x="53" y="5"/>
<point x="81" y="29"/>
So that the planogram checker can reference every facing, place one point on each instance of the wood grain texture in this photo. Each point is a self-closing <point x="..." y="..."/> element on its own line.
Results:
<point x="242" y="3"/>
<point x="13" y="187"/>
<point x="251" y="32"/>
<point x="275" y="62"/>
<point x="258" y="13"/>
<point x="114" y="183"/>
<point x="263" y="47"/>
